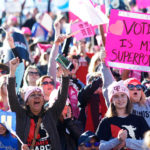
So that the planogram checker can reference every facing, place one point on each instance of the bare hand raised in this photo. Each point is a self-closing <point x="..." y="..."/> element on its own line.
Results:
<point x="13" y="64"/>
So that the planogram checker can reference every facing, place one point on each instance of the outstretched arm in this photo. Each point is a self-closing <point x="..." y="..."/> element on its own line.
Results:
<point x="12" y="97"/>
<point x="107" y="76"/>
<point x="51" y="71"/>
<point x="60" y="102"/>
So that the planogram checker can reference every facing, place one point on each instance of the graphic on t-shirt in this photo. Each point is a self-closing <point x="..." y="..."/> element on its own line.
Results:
<point x="43" y="139"/>
<point x="115" y="130"/>
<point x="131" y="130"/>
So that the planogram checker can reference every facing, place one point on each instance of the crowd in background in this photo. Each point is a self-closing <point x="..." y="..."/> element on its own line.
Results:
<point x="89" y="107"/>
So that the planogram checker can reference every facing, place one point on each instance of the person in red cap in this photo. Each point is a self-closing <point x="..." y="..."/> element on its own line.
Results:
<point x="141" y="104"/>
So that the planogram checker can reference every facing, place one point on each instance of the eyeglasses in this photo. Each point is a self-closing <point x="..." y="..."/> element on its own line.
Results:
<point x="96" y="144"/>
<point x="35" y="95"/>
<point x="33" y="73"/>
<point x="138" y="87"/>
<point x="46" y="83"/>
<point x="3" y="72"/>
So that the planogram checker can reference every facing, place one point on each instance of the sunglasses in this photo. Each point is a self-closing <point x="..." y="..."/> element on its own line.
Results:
<point x="46" y="83"/>
<point x="3" y="72"/>
<point x="35" y="95"/>
<point x="138" y="87"/>
<point x="96" y="144"/>
<point x="33" y="73"/>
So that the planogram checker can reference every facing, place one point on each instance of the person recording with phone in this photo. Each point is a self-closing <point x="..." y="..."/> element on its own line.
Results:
<point x="55" y="71"/>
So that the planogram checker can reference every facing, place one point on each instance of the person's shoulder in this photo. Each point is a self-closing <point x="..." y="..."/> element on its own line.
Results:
<point x="136" y="117"/>
<point x="107" y="119"/>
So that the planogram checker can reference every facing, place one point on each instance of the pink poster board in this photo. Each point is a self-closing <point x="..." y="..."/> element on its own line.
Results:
<point x="128" y="41"/>
<point x="86" y="30"/>
<point x="143" y="3"/>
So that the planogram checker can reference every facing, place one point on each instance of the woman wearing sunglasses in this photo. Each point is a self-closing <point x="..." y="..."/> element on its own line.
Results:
<point x="141" y="104"/>
<point x="47" y="84"/>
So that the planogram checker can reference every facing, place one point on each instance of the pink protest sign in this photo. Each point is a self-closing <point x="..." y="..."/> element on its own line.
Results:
<point x="86" y="30"/>
<point x="127" y="43"/>
<point x="143" y="3"/>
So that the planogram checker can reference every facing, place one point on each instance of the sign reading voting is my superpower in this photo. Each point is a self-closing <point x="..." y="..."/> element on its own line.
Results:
<point x="128" y="40"/>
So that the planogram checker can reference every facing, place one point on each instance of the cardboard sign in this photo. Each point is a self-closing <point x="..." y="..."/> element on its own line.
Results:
<point x="85" y="29"/>
<point x="127" y="42"/>
<point x="86" y="12"/>
<point x="9" y="118"/>
<point x="143" y="3"/>
<point x="47" y="22"/>
<point x="16" y="5"/>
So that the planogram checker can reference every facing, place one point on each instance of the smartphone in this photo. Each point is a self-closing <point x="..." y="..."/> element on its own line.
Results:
<point x="64" y="62"/>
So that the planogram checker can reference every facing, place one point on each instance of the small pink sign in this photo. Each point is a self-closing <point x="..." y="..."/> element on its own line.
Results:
<point x="143" y="3"/>
<point x="86" y="30"/>
<point x="127" y="43"/>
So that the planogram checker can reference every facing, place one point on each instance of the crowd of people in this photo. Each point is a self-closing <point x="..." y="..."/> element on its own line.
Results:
<point x="89" y="107"/>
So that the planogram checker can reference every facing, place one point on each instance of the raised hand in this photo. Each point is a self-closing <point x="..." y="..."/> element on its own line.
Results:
<point x="13" y="64"/>
<point x="102" y="55"/>
<point x="60" y="39"/>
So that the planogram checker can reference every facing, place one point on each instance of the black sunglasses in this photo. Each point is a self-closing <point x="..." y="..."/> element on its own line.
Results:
<point x="138" y="87"/>
<point x="96" y="144"/>
<point x="46" y="83"/>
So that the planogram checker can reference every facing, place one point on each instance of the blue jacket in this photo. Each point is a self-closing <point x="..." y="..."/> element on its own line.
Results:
<point x="8" y="142"/>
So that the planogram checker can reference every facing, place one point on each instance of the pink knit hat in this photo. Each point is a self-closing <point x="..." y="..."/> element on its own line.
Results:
<point x="116" y="87"/>
<point x="44" y="47"/>
<point x="31" y="89"/>
<point x="26" y="30"/>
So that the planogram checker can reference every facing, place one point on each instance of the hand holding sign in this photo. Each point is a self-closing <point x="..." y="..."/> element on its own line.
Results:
<point x="25" y="147"/>
<point x="60" y="39"/>
<point x="102" y="55"/>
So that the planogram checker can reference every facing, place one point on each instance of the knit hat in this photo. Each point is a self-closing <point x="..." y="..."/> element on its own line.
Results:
<point x="31" y="89"/>
<point x="26" y="30"/>
<point x="131" y="80"/>
<point x="116" y="87"/>
<point x="44" y="47"/>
